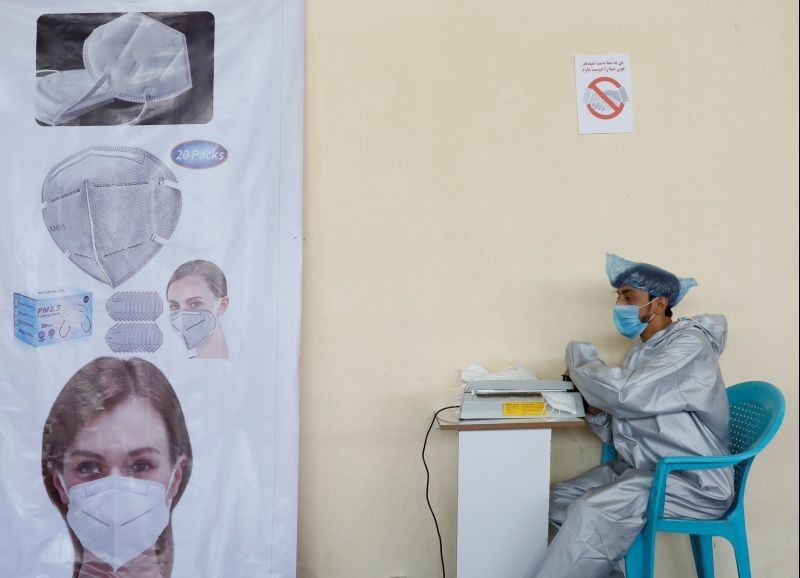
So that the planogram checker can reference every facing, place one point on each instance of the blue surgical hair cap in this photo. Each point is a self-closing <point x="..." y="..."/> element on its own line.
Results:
<point x="656" y="281"/>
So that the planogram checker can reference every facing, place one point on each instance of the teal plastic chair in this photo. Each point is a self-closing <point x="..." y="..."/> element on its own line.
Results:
<point x="757" y="409"/>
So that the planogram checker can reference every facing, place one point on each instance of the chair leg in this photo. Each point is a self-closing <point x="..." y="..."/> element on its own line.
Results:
<point x="703" y="550"/>
<point x="741" y="551"/>
<point x="639" y="559"/>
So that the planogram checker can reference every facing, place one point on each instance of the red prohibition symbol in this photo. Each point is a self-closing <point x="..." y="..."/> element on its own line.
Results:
<point x="616" y="108"/>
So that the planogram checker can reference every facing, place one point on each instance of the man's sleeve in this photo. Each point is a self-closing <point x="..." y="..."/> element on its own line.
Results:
<point x="651" y="389"/>
<point x="601" y="426"/>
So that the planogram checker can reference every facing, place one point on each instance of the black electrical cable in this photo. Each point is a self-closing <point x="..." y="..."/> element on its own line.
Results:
<point x="428" y="483"/>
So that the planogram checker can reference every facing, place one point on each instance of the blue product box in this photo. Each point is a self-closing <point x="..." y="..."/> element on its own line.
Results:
<point x="52" y="316"/>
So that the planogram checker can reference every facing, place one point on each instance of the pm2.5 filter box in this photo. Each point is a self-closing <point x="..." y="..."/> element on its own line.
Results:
<point x="52" y="316"/>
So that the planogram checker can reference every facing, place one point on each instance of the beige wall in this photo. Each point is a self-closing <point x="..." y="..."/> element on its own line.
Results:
<point x="454" y="215"/>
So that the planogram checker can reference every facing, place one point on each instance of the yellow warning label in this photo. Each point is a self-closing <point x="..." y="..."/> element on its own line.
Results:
<point x="524" y="408"/>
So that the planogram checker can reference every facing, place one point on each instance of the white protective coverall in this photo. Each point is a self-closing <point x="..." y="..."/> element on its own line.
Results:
<point x="667" y="399"/>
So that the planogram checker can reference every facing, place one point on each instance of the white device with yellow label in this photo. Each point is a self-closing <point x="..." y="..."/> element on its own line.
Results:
<point x="517" y="399"/>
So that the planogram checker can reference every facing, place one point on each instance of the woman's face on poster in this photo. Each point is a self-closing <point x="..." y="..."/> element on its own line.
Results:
<point x="193" y="293"/>
<point x="128" y="440"/>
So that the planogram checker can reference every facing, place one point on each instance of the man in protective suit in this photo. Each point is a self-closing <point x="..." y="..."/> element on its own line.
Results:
<point x="667" y="399"/>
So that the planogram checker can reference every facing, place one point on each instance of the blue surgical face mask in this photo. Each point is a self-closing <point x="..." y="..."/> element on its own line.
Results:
<point x="626" y="318"/>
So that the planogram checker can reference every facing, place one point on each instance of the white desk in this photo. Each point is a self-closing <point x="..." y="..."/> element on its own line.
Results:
<point x="503" y="493"/>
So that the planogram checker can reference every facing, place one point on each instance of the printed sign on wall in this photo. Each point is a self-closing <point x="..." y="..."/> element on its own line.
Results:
<point x="604" y="94"/>
<point x="150" y="266"/>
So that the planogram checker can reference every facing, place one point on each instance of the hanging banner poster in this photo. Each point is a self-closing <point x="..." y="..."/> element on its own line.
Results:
<point x="150" y="269"/>
<point x="604" y="93"/>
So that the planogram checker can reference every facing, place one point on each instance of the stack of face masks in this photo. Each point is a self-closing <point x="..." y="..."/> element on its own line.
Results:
<point x="133" y="58"/>
<point x="136" y="311"/>
<point x="134" y="306"/>
<point x="134" y="338"/>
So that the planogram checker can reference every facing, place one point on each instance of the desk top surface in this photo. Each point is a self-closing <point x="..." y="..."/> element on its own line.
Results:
<point x="448" y="420"/>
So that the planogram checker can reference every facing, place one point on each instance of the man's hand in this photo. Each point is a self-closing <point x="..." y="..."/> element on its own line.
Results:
<point x="590" y="409"/>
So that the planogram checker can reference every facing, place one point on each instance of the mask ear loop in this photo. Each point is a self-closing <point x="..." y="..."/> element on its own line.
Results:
<point x="215" y="314"/>
<point x="86" y="96"/>
<point x="141" y="114"/>
<point x="63" y="483"/>
<point x="651" y="317"/>
<point x="551" y="409"/>
<point x="86" y="323"/>
<point x="645" y="305"/>
<point x="169" y="485"/>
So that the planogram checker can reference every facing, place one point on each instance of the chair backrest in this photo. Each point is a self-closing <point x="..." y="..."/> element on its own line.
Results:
<point x="757" y="410"/>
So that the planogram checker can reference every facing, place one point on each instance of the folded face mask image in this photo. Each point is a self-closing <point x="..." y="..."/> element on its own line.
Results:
<point x="57" y="93"/>
<point x="194" y="325"/>
<point x="117" y="518"/>
<point x="110" y="210"/>
<point x="142" y="59"/>
<point x="134" y="58"/>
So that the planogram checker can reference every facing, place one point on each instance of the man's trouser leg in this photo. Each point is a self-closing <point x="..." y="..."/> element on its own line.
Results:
<point x="601" y="512"/>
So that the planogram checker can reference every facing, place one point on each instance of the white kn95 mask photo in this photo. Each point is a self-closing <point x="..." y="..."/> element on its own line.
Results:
<point x="134" y="58"/>
<point x="117" y="518"/>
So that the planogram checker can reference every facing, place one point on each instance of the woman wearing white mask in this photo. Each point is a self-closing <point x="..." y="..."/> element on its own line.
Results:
<point x="116" y="459"/>
<point x="197" y="294"/>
